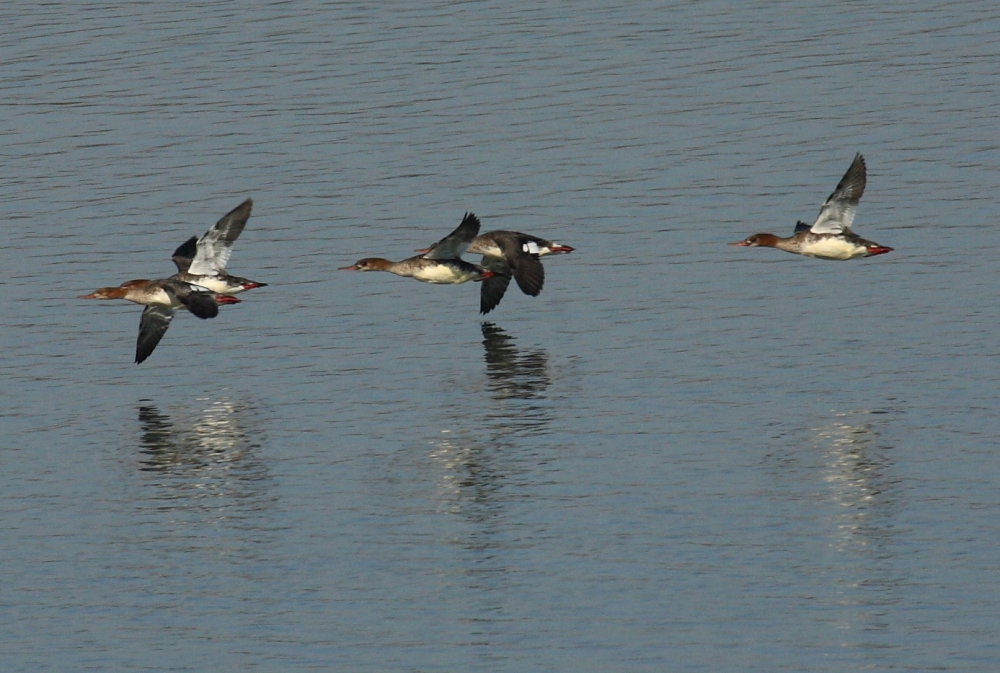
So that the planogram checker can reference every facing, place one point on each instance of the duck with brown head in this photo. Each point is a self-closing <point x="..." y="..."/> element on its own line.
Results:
<point x="162" y="299"/>
<point x="830" y="236"/>
<point x="440" y="265"/>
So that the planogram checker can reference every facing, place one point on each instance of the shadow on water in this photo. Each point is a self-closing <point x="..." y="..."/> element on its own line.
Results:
<point x="204" y="460"/>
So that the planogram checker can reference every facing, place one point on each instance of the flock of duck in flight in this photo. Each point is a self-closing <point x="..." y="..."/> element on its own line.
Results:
<point x="201" y="283"/>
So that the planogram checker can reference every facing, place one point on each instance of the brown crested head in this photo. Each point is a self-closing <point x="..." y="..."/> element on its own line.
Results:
<point x="758" y="240"/>
<point x="106" y="293"/>
<point x="368" y="264"/>
<point x="116" y="292"/>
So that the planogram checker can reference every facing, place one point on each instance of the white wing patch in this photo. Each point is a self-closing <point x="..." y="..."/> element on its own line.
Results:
<point x="212" y="256"/>
<point x="834" y="218"/>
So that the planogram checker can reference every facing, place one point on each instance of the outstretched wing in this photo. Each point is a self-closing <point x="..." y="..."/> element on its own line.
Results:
<point x="494" y="287"/>
<point x="837" y="214"/>
<point x="454" y="244"/>
<point x="152" y="326"/>
<point x="195" y="298"/>
<point x="216" y="246"/>
<point x="521" y="252"/>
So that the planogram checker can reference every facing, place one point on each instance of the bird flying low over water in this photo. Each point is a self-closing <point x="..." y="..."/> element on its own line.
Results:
<point x="830" y="236"/>
<point x="162" y="299"/>
<point x="202" y="261"/>
<point x="441" y="264"/>
<point x="200" y="285"/>
<point x="511" y="254"/>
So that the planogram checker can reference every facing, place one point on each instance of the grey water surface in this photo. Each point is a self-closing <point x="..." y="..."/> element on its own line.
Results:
<point x="681" y="456"/>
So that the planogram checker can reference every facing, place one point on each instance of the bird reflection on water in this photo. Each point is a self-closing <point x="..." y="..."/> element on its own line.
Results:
<point x="858" y="470"/>
<point x="207" y="460"/>
<point x="518" y="382"/>
<point x="486" y="460"/>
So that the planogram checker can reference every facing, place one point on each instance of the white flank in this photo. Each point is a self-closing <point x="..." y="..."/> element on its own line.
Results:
<point x="215" y="284"/>
<point x="441" y="273"/>
<point x="160" y="296"/>
<point x="832" y="248"/>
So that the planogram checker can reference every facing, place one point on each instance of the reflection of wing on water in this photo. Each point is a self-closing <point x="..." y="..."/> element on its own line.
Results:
<point x="480" y="452"/>
<point x="517" y="382"/>
<point x="209" y="455"/>
<point x="512" y="374"/>
<point x="156" y="430"/>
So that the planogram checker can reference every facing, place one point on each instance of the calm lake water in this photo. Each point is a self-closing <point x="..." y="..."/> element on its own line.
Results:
<point x="681" y="456"/>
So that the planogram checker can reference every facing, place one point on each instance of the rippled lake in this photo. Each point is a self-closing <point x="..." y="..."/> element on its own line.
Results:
<point x="680" y="456"/>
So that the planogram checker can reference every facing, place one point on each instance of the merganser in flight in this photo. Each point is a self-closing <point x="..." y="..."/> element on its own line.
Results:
<point x="441" y="264"/>
<point x="202" y="261"/>
<point x="162" y="298"/>
<point x="511" y="254"/>
<point x="830" y="236"/>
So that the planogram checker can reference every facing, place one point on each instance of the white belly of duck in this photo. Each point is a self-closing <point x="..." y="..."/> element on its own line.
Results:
<point x="163" y="298"/>
<point x="215" y="284"/>
<point x="444" y="274"/>
<point x="832" y="248"/>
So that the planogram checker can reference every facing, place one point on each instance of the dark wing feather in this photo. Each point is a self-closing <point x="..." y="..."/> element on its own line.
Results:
<point x="185" y="253"/>
<point x="852" y="186"/>
<point x="495" y="286"/>
<point x="527" y="268"/>
<point x="455" y="243"/>
<point x="152" y="326"/>
<point x="230" y="226"/>
<point x="196" y="299"/>
<point x="837" y="214"/>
